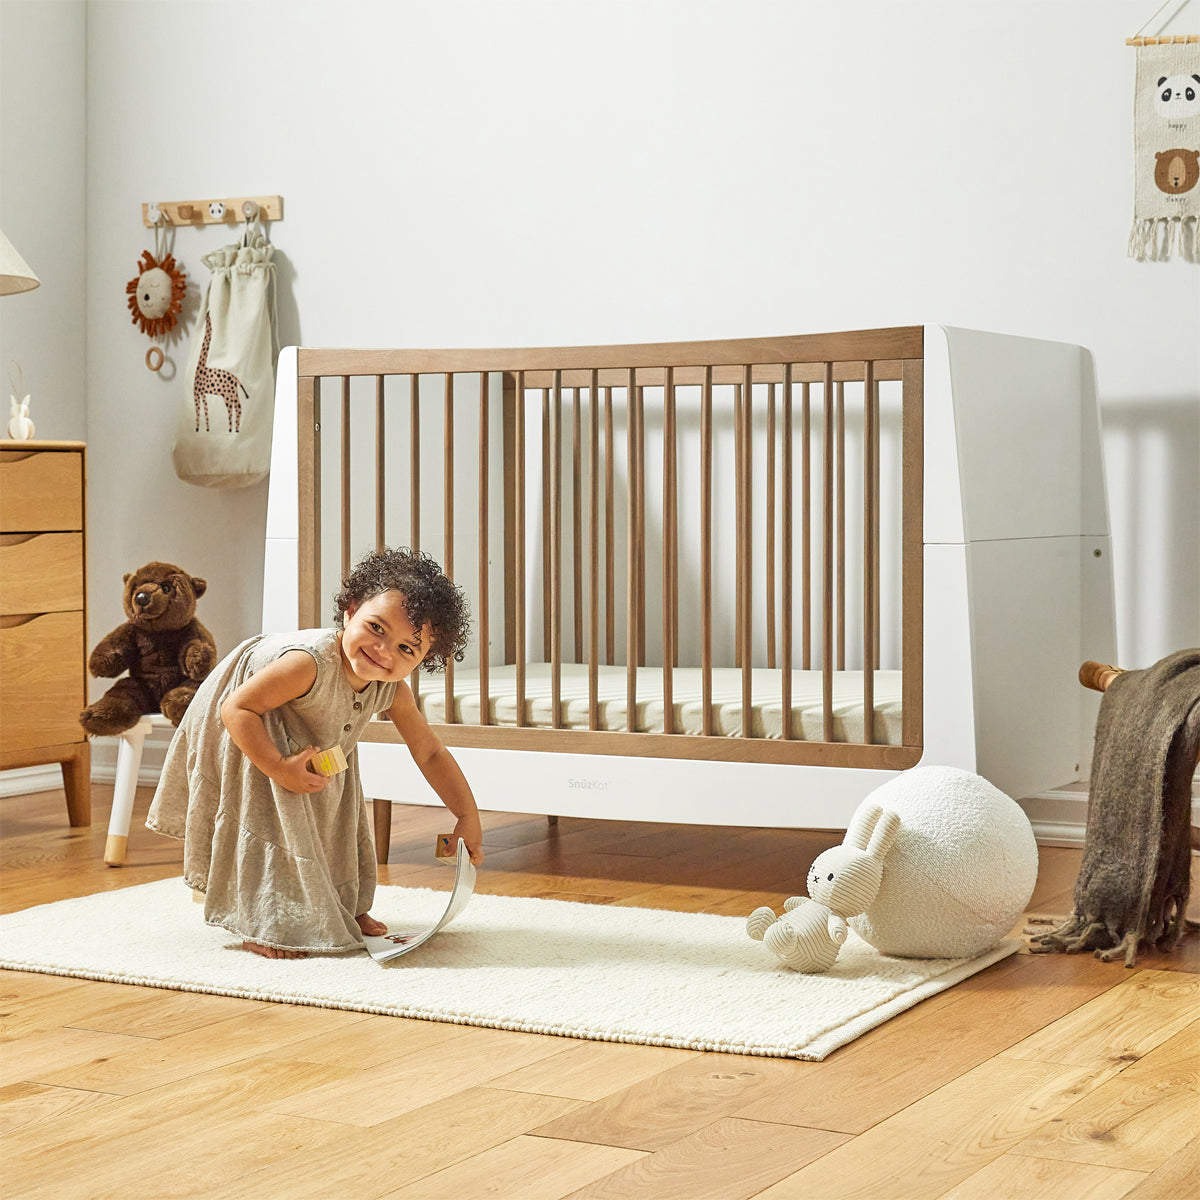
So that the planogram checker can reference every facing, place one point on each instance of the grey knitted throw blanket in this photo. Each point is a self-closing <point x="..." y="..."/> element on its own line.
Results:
<point x="1135" y="876"/>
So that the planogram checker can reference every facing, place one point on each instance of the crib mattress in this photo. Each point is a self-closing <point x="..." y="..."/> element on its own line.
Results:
<point x="766" y="714"/>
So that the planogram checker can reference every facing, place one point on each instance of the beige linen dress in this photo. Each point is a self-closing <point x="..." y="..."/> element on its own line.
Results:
<point x="278" y="868"/>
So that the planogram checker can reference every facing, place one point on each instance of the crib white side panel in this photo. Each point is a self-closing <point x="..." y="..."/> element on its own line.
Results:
<point x="281" y="599"/>
<point x="632" y="789"/>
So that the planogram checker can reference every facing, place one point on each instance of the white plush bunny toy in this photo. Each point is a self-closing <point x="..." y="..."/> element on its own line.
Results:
<point x="842" y="882"/>
<point x="20" y="427"/>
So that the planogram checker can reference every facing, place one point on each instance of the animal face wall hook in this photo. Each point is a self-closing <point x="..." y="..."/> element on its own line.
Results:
<point x="155" y="296"/>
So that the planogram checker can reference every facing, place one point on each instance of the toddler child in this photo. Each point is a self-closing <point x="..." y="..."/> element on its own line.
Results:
<point x="283" y="855"/>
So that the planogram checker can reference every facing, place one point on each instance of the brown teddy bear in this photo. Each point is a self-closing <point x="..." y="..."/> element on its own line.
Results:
<point x="166" y="651"/>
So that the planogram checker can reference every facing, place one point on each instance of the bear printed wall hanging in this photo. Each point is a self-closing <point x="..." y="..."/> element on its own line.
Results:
<point x="1166" y="152"/>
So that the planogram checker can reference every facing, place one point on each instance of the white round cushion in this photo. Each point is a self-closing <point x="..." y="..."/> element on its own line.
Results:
<point x="961" y="871"/>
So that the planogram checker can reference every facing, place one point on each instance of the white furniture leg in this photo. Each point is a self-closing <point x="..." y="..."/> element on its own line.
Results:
<point x="129" y="761"/>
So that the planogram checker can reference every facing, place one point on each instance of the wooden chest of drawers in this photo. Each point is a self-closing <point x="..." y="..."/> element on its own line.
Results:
<point x="43" y="614"/>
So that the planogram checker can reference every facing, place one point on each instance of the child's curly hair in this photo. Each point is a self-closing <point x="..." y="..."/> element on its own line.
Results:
<point x="429" y="598"/>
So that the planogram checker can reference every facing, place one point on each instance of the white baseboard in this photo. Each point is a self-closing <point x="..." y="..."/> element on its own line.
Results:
<point x="22" y="780"/>
<point x="1059" y="816"/>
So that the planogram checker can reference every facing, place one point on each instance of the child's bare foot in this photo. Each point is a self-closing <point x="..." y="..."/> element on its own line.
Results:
<point x="371" y="927"/>
<point x="272" y="951"/>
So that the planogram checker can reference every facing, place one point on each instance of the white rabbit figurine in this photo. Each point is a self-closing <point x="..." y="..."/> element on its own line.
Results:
<point x="842" y="882"/>
<point x="20" y="427"/>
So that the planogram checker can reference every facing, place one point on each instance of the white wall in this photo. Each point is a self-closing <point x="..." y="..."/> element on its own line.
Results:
<point x="43" y="210"/>
<point x="537" y="172"/>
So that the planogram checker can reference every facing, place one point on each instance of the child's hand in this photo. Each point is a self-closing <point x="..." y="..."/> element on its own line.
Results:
<point x="295" y="774"/>
<point x="471" y="831"/>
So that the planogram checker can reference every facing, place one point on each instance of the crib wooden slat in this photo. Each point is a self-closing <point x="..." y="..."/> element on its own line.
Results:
<point x="870" y="550"/>
<point x="594" y="555"/>
<point x="577" y="519"/>
<point x="879" y="570"/>
<point x="674" y="523"/>
<point x="912" y="560"/>
<point x="610" y="568"/>
<point x="739" y="492"/>
<point x="518" y="580"/>
<point x="770" y="547"/>
<point x="448" y="552"/>
<point x="414" y="460"/>
<point x="380" y="466"/>
<point x="481" y="602"/>
<point x="556" y="538"/>
<point x="806" y="582"/>
<point x="547" y="553"/>
<point x="669" y="613"/>
<point x="747" y="627"/>
<point x="308" y="439"/>
<point x="827" y="559"/>
<point x="785" y="599"/>
<point x="841" y="525"/>
<point x="345" y="531"/>
<point x="641" y="524"/>
<point x="706" y="515"/>
<point x="509" y="468"/>
<point x="414" y="475"/>
<point x="631" y="587"/>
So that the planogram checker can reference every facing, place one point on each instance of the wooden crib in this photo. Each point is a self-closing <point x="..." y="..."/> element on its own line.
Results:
<point x="727" y="582"/>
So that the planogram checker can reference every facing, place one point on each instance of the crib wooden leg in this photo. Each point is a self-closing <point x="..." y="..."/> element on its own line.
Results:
<point x="383" y="829"/>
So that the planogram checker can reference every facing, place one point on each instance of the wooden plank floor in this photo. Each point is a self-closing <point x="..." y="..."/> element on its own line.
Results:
<point x="1054" y="1077"/>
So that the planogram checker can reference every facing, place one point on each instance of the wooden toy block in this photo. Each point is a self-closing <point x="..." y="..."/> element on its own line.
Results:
<point x="445" y="850"/>
<point x="329" y="762"/>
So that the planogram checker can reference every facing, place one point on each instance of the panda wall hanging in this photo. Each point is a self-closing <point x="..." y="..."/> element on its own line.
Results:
<point x="155" y="296"/>
<point x="1166" y="149"/>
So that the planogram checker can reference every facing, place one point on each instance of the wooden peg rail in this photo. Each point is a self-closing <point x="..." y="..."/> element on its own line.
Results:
<point x="223" y="211"/>
<point x="1178" y="39"/>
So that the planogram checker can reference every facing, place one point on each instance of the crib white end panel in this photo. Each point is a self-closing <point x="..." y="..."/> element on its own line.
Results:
<point x="280" y="604"/>
<point x="281" y="601"/>
<point x="632" y="789"/>
<point x="282" y="496"/>
<point x="1027" y="600"/>
<point x="943" y="510"/>
<point x="1038" y="566"/>
<point x="949" y="681"/>
<point x="1018" y="416"/>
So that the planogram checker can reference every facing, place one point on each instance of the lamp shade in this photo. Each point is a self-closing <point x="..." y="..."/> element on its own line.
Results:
<point x="15" y="274"/>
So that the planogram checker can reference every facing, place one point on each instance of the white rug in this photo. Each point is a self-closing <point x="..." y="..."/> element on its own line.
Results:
<point x="642" y="975"/>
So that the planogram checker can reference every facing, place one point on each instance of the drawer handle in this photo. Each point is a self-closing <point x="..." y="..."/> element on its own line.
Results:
<point x="17" y="539"/>
<point x="12" y="621"/>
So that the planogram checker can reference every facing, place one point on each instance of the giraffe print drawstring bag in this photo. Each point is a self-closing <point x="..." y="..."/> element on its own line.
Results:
<point x="223" y="439"/>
